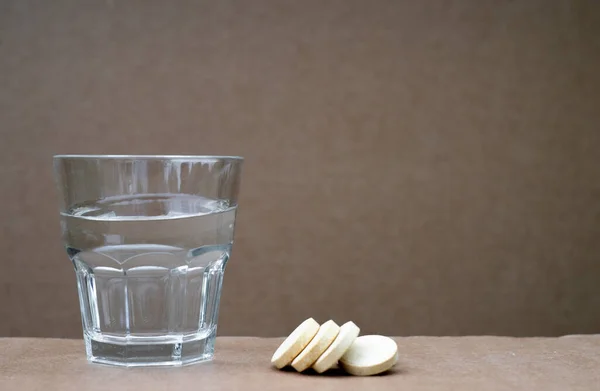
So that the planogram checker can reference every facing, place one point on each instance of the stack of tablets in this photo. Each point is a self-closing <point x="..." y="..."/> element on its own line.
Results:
<point x="322" y="347"/>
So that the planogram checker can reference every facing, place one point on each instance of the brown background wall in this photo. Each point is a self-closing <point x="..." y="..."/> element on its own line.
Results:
<point x="419" y="167"/>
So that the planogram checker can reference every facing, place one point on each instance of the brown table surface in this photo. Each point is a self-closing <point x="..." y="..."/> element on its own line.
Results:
<point x="425" y="363"/>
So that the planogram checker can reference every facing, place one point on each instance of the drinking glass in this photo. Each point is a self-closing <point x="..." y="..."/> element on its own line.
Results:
<point x="149" y="237"/>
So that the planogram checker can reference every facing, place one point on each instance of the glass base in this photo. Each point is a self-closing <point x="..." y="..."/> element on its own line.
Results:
<point x="143" y="353"/>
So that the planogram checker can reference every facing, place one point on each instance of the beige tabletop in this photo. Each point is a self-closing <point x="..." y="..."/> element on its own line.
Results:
<point x="425" y="363"/>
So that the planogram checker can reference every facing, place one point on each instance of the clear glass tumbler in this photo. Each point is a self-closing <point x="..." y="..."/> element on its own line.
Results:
<point x="149" y="237"/>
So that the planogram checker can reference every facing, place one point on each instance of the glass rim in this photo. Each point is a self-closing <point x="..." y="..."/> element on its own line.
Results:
<point x="148" y="157"/>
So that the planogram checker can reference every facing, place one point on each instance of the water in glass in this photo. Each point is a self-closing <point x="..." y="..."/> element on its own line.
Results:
<point x="149" y="273"/>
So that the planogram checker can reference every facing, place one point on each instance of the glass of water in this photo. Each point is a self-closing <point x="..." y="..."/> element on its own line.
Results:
<point x="149" y="237"/>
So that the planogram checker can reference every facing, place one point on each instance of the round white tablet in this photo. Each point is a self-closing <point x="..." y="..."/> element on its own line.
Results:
<point x="327" y="333"/>
<point x="294" y="343"/>
<point x="348" y="333"/>
<point x="370" y="355"/>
